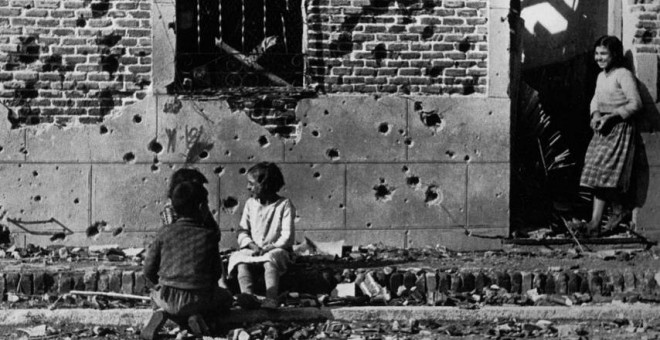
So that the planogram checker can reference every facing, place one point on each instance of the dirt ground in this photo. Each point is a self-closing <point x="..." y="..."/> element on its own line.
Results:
<point x="423" y="329"/>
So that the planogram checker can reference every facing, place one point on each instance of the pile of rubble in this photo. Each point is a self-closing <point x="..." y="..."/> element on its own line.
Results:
<point x="374" y="330"/>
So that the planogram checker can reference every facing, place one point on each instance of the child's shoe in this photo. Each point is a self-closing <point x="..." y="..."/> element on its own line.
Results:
<point x="247" y="301"/>
<point x="197" y="325"/>
<point x="150" y="330"/>
<point x="269" y="303"/>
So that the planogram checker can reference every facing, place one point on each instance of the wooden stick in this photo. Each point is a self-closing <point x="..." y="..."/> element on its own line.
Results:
<point x="249" y="63"/>
<point x="110" y="294"/>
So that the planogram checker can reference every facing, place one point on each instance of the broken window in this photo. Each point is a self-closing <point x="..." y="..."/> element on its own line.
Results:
<point x="238" y="43"/>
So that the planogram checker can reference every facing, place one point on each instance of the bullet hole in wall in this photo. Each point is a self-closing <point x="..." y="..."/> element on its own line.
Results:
<point x="450" y="153"/>
<point x="35" y="173"/>
<point x="315" y="133"/>
<point x="155" y="147"/>
<point x="76" y="200"/>
<point x="430" y="118"/>
<point x="37" y="198"/>
<point x="204" y="154"/>
<point x="408" y="141"/>
<point x="433" y="195"/>
<point x="117" y="231"/>
<point x="81" y="22"/>
<point x="1" y="149"/>
<point x="154" y="168"/>
<point x="383" y="192"/>
<point x="317" y="175"/>
<point x="369" y="224"/>
<point x="466" y="158"/>
<point x="229" y="204"/>
<point x="333" y="154"/>
<point x="412" y="181"/>
<point x="326" y="112"/>
<point x="218" y="170"/>
<point x="57" y="237"/>
<point x="100" y="9"/>
<point x="242" y="171"/>
<point x="95" y="228"/>
<point x="405" y="168"/>
<point x="384" y="128"/>
<point x="464" y="45"/>
<point x="129" y="157"/>
<point x="428" y="32"/>
<point x="137" y="119"/>
<point x="263" y="141"/>
<point x="103" y="129"/>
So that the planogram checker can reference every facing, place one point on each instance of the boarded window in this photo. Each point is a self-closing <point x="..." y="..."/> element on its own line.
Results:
<point x="238" y="43"/>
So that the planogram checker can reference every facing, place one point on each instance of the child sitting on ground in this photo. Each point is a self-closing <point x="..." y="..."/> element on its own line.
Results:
<point x="183" y="262"/>
<point x="266" y="233"/>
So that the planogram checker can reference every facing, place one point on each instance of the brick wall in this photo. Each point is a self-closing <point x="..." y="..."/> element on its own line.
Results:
<point x="72" y="61"/>
<point x="413" y="46"/>
<point x="647" y="16"/>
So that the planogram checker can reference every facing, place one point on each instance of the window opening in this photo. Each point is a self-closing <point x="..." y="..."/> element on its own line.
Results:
<point x="244" y="43"/>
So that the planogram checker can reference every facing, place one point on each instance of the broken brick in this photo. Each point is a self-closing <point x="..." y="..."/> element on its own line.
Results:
<point x="549" y="284"/>
<point x="115" y="281"/>
<point x="90" y="279"/>
<point x="468" y="281"/>
<point x="516" y="282"/>
<point x="561" y="281"/>
<point x="618" y="281"/>
<point x="630" y="281"/>
<point x="526" y="281"/>
<point x="481" y="281"/>
<point x="396" y="281"/>
<point x="503" y="280"/>
<point x="79" y="281"/>
<point x="127" y="282"/>
<point x="25" y="283"/>
<point x="140" y="285"/>
<point x="104" y="282"/>
<point x="3" y="286"/>
<point x="539" y="282"/>
<point x="456" y="283"/>
<point x="574" y="283"/>
<point x="409" y="279"/>
<point x="595" y="282"/>
<point x="444" y="282"/>
<point x="431" y="288"/>
<point x="65" y="283"/>
<point x="11" y="282"/>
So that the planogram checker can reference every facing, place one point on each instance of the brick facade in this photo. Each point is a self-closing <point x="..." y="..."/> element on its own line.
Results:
<point x="72" y="61"/>
<point x="416" y="46"/>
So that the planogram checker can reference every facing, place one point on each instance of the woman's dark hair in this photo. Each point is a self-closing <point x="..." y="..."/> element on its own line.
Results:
<point x="185" y="175"/>
<point x="614" y="45"/>
<point x="268" y="175"/>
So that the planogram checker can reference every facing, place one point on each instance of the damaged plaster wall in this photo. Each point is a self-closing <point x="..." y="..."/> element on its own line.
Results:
<point x="404" y="170"/>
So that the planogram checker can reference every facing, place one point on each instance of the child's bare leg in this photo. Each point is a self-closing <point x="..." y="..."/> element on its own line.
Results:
<point x="245" y="279"/>
<point x="596" y="214"/>
<point x="272" y="279"/>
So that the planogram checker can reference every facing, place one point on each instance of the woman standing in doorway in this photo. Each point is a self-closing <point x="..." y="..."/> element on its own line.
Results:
<point x="609" y="159"/>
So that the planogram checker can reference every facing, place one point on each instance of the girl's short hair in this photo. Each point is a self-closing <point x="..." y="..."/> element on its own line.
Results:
<point x="614" y="45"/>
<point x="185" y="175"/>
<point x="187" y="197"/>
<point x="268" y="175"/>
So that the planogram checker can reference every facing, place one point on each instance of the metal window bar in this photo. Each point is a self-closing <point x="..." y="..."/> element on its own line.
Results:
<point x="226" y="43"/>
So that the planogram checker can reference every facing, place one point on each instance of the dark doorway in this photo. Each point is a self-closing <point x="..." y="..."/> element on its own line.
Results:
<point x="551" y="124"/>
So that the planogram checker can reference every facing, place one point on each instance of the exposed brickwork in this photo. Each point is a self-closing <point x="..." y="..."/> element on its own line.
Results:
<point x="418" y="46"/>
<point x="564" y="282"/>
<point x="647" y="33"/>
<point x="62" y="61"/>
